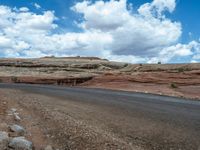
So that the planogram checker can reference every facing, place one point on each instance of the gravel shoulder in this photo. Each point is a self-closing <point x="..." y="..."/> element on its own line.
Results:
<point x="51" y="121"/>
<point x="75" y="118"/>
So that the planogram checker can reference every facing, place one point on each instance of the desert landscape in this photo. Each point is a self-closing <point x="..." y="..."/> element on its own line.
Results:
<point x="99" y="75"/>
<point x="180" y="80"/>
<point x="72" y="103"/>
<point x="34" y="117"/>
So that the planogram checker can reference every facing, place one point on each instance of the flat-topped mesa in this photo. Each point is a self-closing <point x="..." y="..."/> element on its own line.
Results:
<point x="66" y="62"/>
<point x="73" y="71"/>
<point x="76" y="57"/>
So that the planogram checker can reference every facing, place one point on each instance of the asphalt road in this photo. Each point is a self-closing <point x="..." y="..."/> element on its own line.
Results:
<point x="155" y="122"/>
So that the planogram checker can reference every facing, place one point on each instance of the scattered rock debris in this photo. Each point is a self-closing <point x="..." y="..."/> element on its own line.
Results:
<point x="13" y="137"/>
<point x="46" y="127"/>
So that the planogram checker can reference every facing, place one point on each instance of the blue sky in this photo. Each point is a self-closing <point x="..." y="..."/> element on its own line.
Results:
<point x="187" y="12"/>
<point x="79" y="23"/>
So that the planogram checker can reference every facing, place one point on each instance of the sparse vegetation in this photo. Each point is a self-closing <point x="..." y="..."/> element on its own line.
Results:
<point x="14" y="79"/>
<point x="173" y="85"/>
<point x="181" y="70"/>
<point x="125" y="65"/>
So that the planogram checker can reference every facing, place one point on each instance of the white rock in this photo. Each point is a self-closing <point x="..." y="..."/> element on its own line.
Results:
<point x="4" y="139"/>
<point x="16" y="117"/>
<point x="13" y="110"/>
<point x="19" y="130"/>
<point x="20" y="143"/>
<point x="49" y="147"/>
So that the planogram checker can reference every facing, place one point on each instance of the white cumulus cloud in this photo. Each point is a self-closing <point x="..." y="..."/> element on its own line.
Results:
<point x="23" y="9"/>
<point x="110" y="30"/>
<point x="178" y="50"/>
<point x="133" y="34"/>
<point x="157" y="7"/>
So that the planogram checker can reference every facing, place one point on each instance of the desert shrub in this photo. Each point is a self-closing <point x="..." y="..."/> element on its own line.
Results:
<point x="173" y="85"/>
<point x="159" y="62"/>
<point x="14" y="79"/>
<point x="125" y="65"/>
<point x="187" y="69"/>
<point x="159" y="69"/>
<point x="181" y="69"/>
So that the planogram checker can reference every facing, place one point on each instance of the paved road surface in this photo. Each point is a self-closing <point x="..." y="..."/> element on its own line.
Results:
<point x="156" y="122"/>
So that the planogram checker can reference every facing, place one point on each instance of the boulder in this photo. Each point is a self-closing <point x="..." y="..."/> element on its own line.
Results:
<point x="20" y="143"/>
<point x="18" y="130"/>
<point x="4" y="140"/>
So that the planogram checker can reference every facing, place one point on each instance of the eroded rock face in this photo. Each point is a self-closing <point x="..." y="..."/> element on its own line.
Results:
<point x="20" y="143"/>
<point x="4" y="139"/>
<point x="69" y="71"/>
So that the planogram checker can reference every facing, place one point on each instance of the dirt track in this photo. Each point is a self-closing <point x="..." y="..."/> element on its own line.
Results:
<point x="76" y="118"/>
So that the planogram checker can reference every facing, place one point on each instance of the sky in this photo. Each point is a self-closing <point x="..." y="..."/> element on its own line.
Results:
<point x="135" y="31"/>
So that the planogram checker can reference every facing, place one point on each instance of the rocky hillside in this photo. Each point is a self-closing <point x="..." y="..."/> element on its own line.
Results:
<point x="168" y="79"/>
<point x="50" y="70"/>
<point x="76" y="70"/>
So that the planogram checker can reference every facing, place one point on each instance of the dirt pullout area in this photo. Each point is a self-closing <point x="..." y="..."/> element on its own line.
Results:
<point x="48" y="121"/>
<point x="182" y="80"/>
